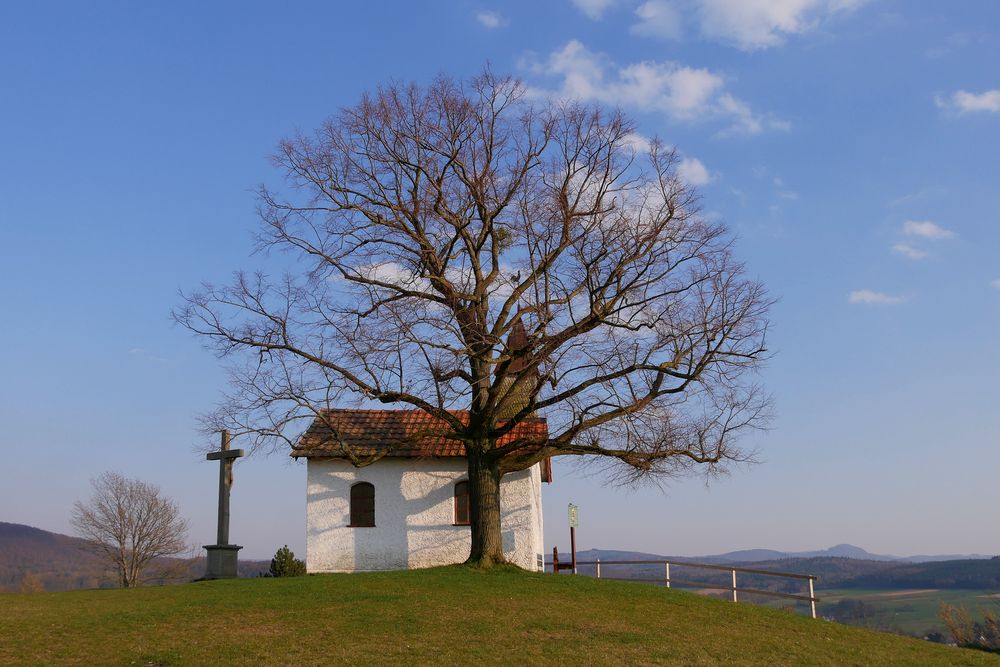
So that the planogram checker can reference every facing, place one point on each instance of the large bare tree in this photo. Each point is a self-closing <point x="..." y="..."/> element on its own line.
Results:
<point x="425" y="223"/>
<point x="131" y="524"/>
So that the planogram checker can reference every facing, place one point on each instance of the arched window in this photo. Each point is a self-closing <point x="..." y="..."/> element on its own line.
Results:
<point x="363" y="505"/>
<point x="462" y="503"/>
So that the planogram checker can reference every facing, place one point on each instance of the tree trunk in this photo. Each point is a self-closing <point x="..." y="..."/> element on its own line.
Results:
<point x="484" y="512"/>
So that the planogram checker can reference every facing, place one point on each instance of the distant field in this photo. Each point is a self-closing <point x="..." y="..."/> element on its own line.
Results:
<point x="443" y="616"/>
<point x="914" y="611"/>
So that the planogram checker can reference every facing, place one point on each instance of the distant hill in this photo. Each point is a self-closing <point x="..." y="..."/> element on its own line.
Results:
<point x="65" y="563"/>
<point x="838" y="551"/>
<point x="833" y="571"/>
<point x="608" y="554"/>
<point x="60" y="561"/>
<point x="760" y="555"/>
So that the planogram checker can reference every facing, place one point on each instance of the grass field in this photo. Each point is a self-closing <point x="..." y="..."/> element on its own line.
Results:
<point x="444" y="616"/>
<point x="916" y="611"/>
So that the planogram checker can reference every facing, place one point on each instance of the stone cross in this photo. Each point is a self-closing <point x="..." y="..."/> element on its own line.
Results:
<point x="222" y="556"/>
<point x="225" y="457"/>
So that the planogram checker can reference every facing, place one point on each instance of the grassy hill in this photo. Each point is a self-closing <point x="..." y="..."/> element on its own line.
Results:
<point x="442" y="616"/>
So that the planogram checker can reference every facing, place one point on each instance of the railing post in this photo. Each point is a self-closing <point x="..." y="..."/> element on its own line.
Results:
<point x="715" y="584"/>
<point x="555" y="560"/>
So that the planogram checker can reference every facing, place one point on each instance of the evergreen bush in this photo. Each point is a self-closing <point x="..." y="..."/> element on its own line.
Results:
<point x="285" y="564"/>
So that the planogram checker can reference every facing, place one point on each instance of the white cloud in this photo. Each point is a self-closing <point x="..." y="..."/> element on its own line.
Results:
<point x="965" y="102"/>
<point x="491" y="20"/>
<point x="681" y="92"/>
<point x="871" y="297"/>
<point x="657" y="18"/>
<point x="398" y="275"/>
<point x="594" y="9"/>
<point x="746" y="121"/>
<point x="639" y="143"/>
<point x="908" y="251"/>
<point x="745" y="24"/>
<point x="693" y="172"/>
<point x="921" y="229"/>
<point x="393" y="273"/>
<point x="690" y="170"/>
<point x="759" y="24"/>
<point x="995" y="283"/>
<point x="927" y="230"/>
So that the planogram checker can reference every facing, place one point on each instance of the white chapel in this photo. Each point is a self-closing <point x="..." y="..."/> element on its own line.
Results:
<point x="410" y="508"/>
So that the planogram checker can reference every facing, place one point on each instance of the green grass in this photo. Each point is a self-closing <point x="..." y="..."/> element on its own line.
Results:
<point x="444" y="616"/>
<point x="915" y="612"/>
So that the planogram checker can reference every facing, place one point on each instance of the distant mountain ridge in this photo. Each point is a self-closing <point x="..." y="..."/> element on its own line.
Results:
<point x="834" y="571"/>
<point x="62" y="562"/>
<point x="761" y="555"/>
<point x="838" y="551"/>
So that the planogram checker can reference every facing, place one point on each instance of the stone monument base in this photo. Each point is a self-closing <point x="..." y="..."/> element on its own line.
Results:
<point x="222" y="561"/>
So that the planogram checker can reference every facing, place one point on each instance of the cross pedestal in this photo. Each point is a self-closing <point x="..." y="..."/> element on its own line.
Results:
<point x="223" y="556"/>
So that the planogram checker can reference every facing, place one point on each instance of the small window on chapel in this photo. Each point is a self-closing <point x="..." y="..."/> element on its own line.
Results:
<point x="462" y="503"/>
<point x="363" y="505"/>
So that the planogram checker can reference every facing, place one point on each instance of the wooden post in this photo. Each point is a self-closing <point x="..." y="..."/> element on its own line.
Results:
<point x="572" y="544"/>
<point x="667" y="567"/>
<point x="598" y="568"/>
<point x="555" y="560"/>
<point x="734" y="587"/>
<point x="812" y="601"/>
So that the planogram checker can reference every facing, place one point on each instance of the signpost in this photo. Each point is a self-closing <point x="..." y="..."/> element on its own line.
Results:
<point x="574" y="521"/>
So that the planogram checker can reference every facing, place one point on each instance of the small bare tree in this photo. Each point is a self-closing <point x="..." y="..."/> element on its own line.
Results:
<point x="31" y="583"/>
<point x="966" y="632"/>
<point x="427" y="224"/>
<point x="130" y="524"/>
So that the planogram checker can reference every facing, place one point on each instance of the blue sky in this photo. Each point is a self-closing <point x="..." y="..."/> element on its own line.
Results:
<point x="850" y="146"/>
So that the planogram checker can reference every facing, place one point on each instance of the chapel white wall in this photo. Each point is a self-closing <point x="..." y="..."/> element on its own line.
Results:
<point x="414" y="516"/>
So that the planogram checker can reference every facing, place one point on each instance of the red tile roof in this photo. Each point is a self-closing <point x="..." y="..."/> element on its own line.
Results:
<point x="405" y="433"/>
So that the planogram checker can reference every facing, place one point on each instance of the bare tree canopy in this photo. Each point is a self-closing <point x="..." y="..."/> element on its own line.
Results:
<point x="429" y="223"/>
<point x="131" y="524"/>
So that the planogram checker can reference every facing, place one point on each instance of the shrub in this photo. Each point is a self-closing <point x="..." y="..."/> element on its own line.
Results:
<point x="285" y="564"/>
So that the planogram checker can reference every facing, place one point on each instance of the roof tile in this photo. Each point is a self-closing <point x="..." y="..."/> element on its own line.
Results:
<point x="405" y="433"/>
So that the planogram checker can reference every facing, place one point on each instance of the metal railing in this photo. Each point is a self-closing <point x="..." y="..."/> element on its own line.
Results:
<point x="667" y="580"/>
